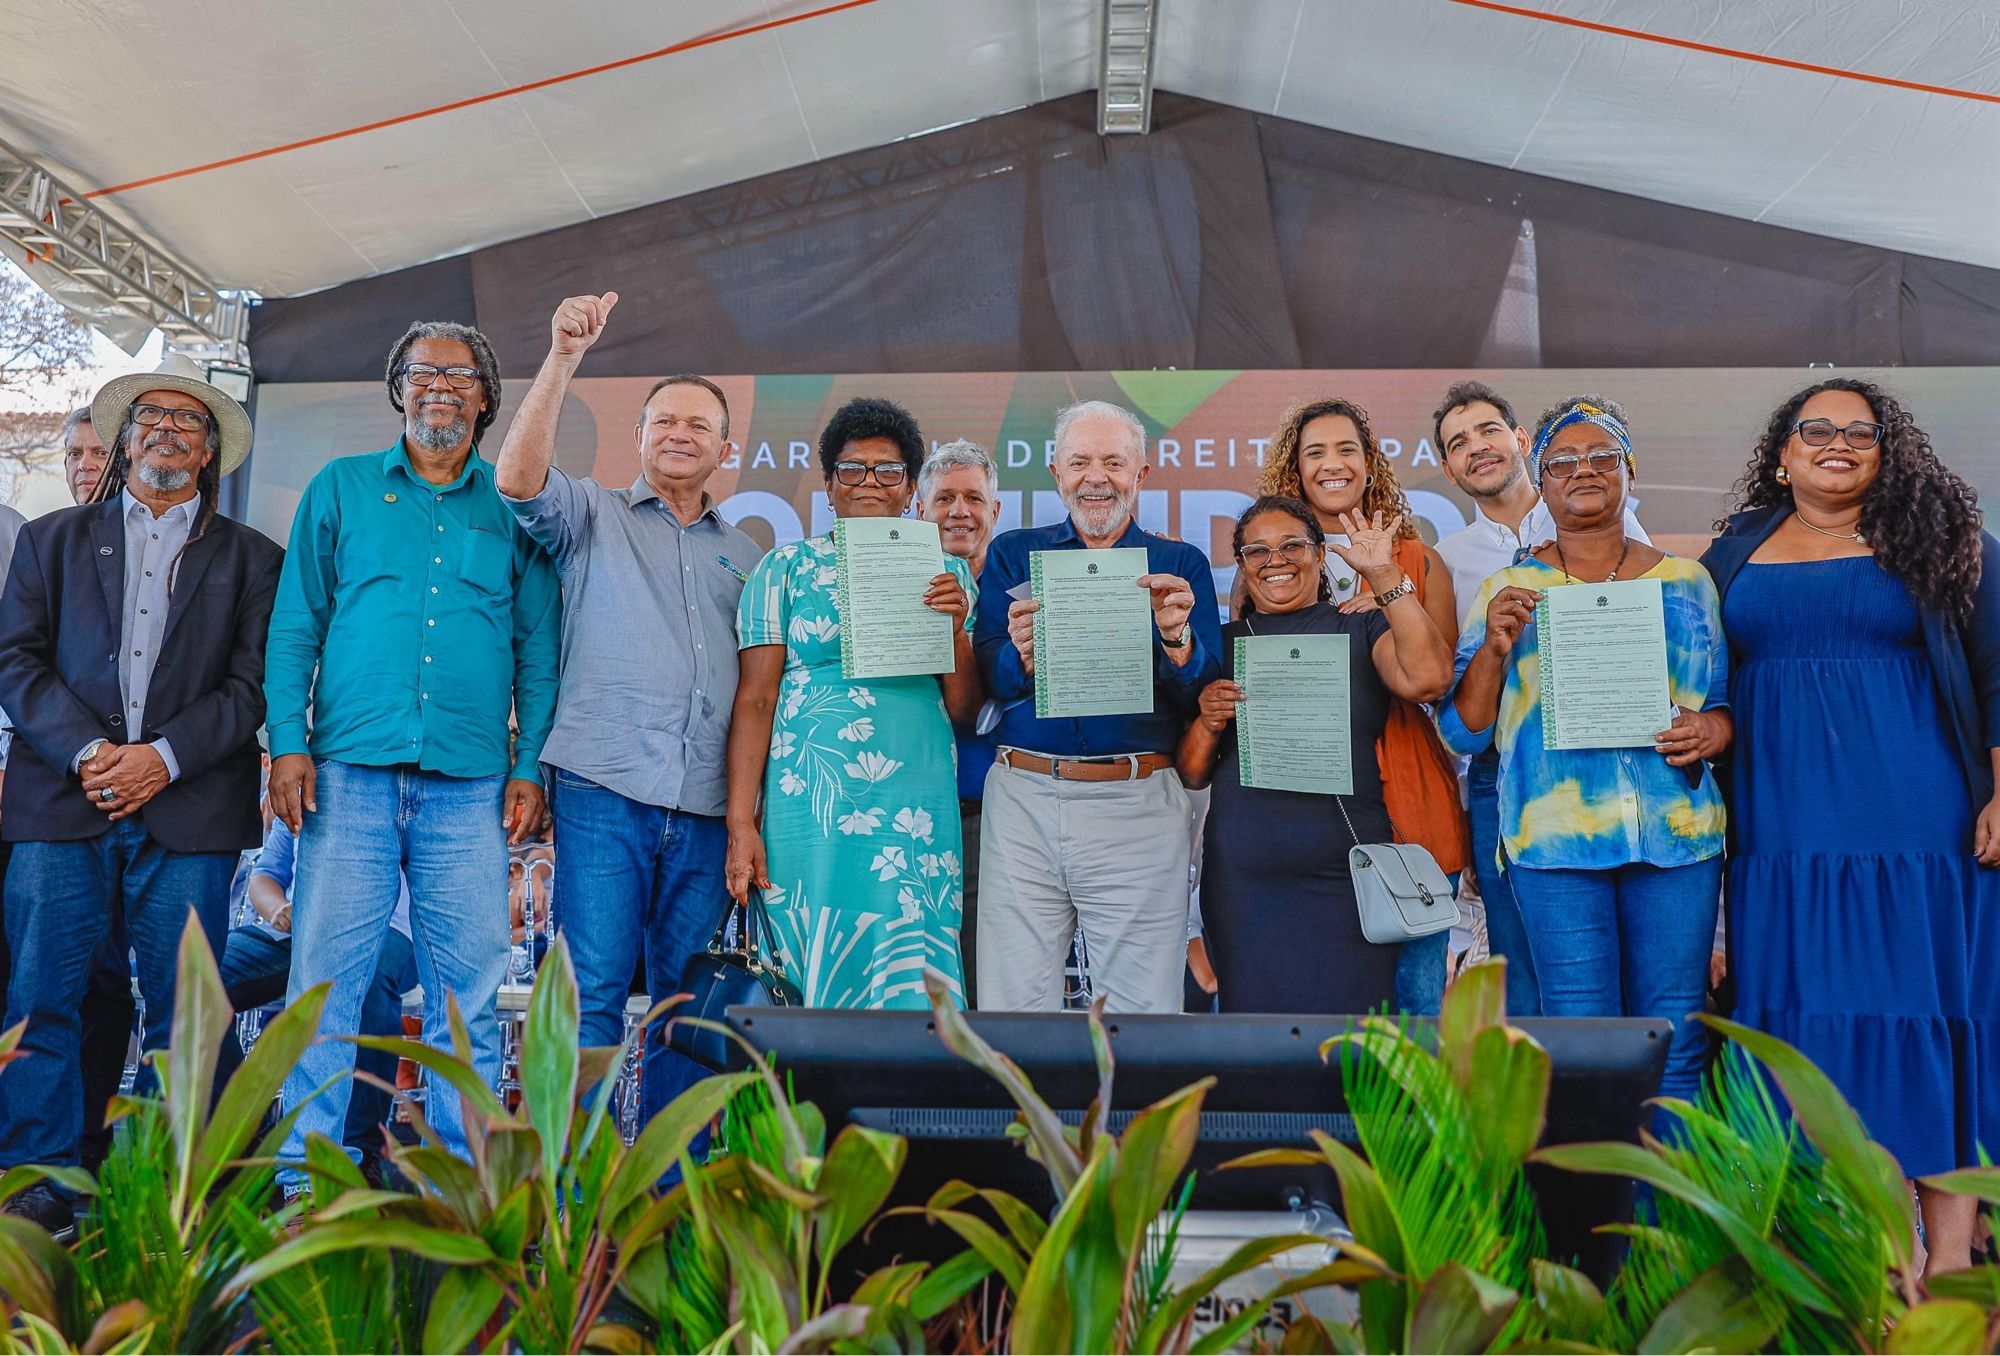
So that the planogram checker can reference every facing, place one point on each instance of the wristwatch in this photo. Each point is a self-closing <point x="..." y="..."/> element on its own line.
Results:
<point x="1187" y="634"/>
<point x="89" y="752"/>
<point x="1389" y="596"/>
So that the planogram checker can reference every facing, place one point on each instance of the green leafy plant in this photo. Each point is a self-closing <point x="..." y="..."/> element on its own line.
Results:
<point x="1096" y="1277"/>
<point x="1789" y="1233"/>
<point x="176" y="1208"/>
<point x="1438" y="1194"/>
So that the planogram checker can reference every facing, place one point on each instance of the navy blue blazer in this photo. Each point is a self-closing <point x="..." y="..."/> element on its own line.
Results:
<point x="60" y="617"/>
<point x="1965" y="656"/>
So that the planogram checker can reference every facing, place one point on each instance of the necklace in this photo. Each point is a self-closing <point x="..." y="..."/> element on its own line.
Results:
<point x="1806" y="522"/>
<point x="1564" y="563"/>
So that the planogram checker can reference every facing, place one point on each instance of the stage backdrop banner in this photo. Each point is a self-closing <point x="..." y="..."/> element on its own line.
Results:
<point x="1208" y="432"/>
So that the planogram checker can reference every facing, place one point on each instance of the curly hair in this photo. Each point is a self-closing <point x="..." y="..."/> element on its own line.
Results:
<point x="1291" y="507"/>
<point x="870" y="417"/>
<point x="1922" y="520"/>
<point x="1382" y="494"/>
<point x="482" y="358"/>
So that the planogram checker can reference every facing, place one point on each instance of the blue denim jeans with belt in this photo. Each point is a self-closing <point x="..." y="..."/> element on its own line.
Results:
<point x="63" y="901"/>
<point x="375" y="828"/>
<point x="634" y="881"/>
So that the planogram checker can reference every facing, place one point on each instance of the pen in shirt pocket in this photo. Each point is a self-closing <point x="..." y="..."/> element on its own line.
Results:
<point x="724" y="562"/>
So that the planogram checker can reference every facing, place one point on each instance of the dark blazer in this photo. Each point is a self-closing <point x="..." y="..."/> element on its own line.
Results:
<point x="1965" y="656"/>
<point x="59" y="633"/>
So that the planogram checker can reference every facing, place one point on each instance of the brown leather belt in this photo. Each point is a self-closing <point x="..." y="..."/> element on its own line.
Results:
<point x="1117" y="767"/>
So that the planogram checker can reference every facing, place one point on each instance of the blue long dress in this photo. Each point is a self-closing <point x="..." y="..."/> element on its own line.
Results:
<point x="1861" y="929"/>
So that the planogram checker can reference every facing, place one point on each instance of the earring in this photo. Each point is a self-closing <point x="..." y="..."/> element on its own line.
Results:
<point x="1784" y="476"/>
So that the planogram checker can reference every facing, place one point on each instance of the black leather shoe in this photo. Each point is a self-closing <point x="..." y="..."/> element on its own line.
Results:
<point x="43" y="1205"/>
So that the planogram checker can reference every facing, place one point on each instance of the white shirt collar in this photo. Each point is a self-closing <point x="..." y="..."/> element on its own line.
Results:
<point x="184" y="510"/>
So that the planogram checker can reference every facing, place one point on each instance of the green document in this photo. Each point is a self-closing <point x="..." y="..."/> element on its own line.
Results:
<point x="1604" y="665"/>
<point x="885" y="567"/>
<point x="1093" y="633"/>
<point x="1292" y="727"/>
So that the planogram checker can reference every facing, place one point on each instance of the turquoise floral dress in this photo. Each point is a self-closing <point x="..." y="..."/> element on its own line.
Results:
<point x="861" y="827"/>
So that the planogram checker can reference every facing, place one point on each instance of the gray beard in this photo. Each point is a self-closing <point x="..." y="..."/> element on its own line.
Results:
<point x="434" y="438"/>
<point x="166" y="480"/>
<point x="1100" y="522"/>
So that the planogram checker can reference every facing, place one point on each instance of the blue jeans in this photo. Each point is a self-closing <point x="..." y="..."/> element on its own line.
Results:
<point x="63" y="902"/>
<point x="633" y="878"/>
<point x="256" y="968"/>
<point x="1420" y="974"/>
<point x="1506" y="934"/>
<point x="376" y="827"/>
<point x="1629" y="941"/>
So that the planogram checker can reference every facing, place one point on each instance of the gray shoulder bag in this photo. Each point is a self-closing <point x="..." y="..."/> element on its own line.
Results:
<point x="1399" y="888"/>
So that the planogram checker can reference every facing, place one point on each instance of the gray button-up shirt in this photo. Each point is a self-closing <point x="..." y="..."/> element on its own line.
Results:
<point x="648" y="641"/>
<point x="152" y="546"/>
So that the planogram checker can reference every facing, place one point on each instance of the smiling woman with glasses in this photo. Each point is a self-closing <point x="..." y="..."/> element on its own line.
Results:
<point x="856" y="859"/>
<point x="1274" y="863"/>
<point x="1615" y="854"/>
<point x="1860" y="596"/>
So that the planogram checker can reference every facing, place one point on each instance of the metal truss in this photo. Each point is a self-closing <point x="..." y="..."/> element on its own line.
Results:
<point x="58" y="229"/>
<point x="1125" y="67"/>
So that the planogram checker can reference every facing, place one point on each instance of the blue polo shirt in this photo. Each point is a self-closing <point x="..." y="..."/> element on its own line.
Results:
<point x="1176" y="688"/>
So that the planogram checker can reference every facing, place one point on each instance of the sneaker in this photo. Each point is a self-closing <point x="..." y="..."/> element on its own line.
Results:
<point x="42" y="1205"/>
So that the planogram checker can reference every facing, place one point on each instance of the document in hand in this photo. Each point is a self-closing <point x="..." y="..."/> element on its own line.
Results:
<point x="1093" y="633"/>
<point x="1292" y="727"/>
<point x="884" y="566"/>
<point x="1604" y="665"/>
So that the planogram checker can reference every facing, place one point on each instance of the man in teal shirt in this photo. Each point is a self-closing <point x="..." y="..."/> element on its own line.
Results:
<point x="412" y="619"/>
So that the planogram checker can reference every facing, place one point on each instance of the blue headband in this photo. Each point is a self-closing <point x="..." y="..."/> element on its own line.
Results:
<point x="1581" y="413"/>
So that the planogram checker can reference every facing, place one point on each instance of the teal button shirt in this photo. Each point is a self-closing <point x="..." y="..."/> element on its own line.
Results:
<point x="411" y="620"/>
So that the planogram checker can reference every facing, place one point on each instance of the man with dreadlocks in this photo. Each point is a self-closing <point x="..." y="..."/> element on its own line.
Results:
<point x="411" y="621"/>
<point x="131" y="660"/>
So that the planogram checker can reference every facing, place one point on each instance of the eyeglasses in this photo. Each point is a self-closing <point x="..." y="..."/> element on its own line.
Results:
<point x="423" y="374"/>
<point x="853" y="473"/>
<point x="1294" y="550"/>
<point x="1603" y="460"/>
<point x="1860" y="435"/>
<point x="187" y="421"/>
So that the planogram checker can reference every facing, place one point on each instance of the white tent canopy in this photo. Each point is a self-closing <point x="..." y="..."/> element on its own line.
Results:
<point x="131" y="97"/>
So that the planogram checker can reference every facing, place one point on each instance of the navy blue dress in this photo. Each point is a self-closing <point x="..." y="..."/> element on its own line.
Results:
<point x="1277" y="899"/>
<point x="1861" y="929"/>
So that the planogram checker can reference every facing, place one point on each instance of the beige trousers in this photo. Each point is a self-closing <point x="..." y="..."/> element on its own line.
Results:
<point x="1111" y="857"/>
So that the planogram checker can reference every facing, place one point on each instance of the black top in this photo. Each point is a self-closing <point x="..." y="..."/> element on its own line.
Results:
<point x="1368" y="700"/>
<point x="1277" y="899"/>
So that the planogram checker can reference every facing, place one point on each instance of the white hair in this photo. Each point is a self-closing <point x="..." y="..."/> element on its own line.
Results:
<point x="1067" y="416"/>
<point x="960" y="454"/>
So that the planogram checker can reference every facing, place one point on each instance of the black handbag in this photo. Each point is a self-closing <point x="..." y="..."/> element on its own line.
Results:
<point x="724" y="977"/>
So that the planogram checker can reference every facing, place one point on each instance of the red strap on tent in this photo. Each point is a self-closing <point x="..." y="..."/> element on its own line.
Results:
<point x="507" y="93"/>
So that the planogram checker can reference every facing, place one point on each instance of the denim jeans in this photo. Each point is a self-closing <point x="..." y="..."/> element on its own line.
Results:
<point x="1420" y="973"/>
<point x="255" y="970"/>
<point x="1630" y="941"/>
<point x="633" y="879"/>
<point x="63" y="901"/>
<point x="376" y="827"/>
<point x="1506" y="935"/>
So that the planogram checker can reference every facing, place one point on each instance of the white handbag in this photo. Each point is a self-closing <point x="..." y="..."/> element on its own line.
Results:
<point x="1399" y="888"/>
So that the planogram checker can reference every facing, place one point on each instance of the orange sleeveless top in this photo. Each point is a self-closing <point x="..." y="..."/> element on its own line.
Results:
<point x="1419" y="777"/>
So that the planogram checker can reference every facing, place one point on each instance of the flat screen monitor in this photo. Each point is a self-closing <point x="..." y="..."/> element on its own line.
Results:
<point x="890" y="1071"/>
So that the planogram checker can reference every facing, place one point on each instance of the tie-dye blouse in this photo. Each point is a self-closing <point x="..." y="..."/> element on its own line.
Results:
<point x="1589" y="809"/>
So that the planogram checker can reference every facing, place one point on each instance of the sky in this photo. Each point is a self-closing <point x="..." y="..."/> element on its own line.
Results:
<point x="40" y="492"/>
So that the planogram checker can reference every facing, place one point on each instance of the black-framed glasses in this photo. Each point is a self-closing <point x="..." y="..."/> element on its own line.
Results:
<point x="852" y="473"/>
<point x="1859" y="435"/>
<point x="1293" y="550"/>
<point x="187" y="421"/>
<point x="1603" y="460"/>
<point x="424" y="374"/>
